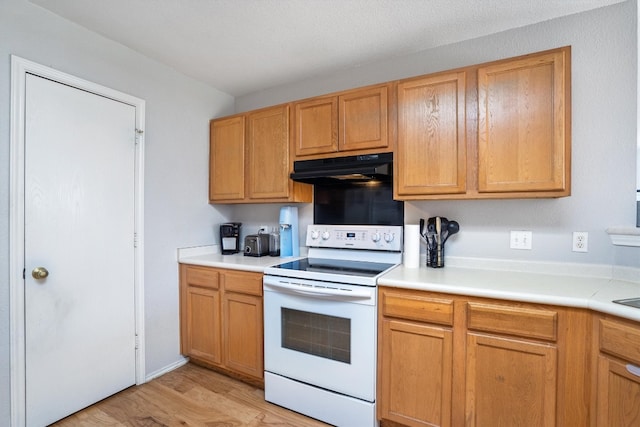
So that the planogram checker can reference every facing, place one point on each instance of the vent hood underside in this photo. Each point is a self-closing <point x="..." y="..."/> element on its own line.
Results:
<point x="362" y="168"/>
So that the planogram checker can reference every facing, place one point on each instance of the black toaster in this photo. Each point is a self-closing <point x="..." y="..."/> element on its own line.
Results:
<point x="256" y="244"/>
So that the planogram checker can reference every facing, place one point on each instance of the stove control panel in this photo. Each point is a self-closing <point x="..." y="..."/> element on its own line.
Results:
<point x="369" y="237"/>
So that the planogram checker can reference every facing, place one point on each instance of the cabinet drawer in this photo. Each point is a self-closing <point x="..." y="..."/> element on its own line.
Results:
<point x="242" y="282"/>
<point x="414" y="306"/>
<point x="525" y="322"/>
<point x="620" y="340"/>
<point x="202" y="276"/>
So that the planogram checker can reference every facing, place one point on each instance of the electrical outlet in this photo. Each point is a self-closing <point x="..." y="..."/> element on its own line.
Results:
<point x="521" y="240"/>
<point x="580" y="241"/>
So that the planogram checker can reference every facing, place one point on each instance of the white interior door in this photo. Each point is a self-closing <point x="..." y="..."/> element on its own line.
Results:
<point x="79" y="225"/>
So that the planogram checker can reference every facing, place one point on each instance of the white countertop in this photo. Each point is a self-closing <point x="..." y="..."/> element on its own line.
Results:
<point x="549" y="283"/>
<point x="209" y="256"/>
<point x="596" y="293"/>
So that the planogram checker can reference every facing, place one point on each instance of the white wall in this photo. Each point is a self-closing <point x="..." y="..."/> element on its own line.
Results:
<point x="178" y="110"/>
<point x="604" y="78"/>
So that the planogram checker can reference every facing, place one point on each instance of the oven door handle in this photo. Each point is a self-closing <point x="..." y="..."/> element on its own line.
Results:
<point x="320" y="291"/>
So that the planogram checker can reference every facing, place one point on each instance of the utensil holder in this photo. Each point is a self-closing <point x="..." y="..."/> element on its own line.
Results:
<point x="435" y="258"/>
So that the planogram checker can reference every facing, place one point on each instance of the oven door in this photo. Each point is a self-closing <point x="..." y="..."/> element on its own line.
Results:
<point x="320" y="333"/>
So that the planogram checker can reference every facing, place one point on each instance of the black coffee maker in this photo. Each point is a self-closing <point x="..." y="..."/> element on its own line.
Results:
<point x="230" y="237"/>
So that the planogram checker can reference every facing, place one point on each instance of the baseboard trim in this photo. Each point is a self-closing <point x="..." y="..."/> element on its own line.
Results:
<point x="160" y="372"/>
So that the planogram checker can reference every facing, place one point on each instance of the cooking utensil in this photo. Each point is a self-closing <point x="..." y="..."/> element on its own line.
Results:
<point x="438" y="239"/>
<point x="452" y="228"/>
<point x="444" y="227"/>
<point x="437" y="232"/>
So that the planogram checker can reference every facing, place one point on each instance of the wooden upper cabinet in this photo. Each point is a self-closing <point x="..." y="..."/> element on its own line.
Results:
<point x="364" y="119"/>
<point x="345" y="123"/>
<point x="268" y="153"/>
<point x="524" y="124"/>
<point x="316" y="126"/>
<point x="227" y="159"/>
<point x="431" y="152"/>
<point x="250" y="160"/>
<point x="495" y="130"/>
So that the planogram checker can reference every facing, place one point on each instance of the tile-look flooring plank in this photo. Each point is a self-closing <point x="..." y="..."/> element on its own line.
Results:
<point x="190" y="396"/>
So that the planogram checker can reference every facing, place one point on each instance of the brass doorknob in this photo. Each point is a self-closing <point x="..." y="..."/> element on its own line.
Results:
<point x="39" y="273"/>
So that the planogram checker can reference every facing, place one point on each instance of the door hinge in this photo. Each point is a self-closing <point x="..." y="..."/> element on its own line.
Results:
<point x="139" y="133"/>
<point x="24" y="273"/>
<point x="137" y="342"/>
<point x="135" y="240"/>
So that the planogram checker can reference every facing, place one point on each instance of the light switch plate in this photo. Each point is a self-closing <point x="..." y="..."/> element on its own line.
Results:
<point x="521" y="239"/>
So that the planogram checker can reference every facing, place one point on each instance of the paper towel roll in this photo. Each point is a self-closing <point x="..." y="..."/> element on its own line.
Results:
<point x="411" y="246"/>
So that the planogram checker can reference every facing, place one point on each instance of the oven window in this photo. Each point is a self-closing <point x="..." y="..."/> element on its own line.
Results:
<point x="317" y="334"/>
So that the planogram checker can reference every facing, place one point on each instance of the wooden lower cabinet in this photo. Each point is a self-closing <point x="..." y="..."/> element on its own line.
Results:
<point x="618" y="385"/>
<point x="203" y="308"/>
<point x="448" y="360"/>
<point x="221" y="321"/>
<point x="415" y="358"/>
<point x="510" y="382"/>
<point x="416" y="375"/>
<point x="243" y="324"/>
<point x="618" y="394"/>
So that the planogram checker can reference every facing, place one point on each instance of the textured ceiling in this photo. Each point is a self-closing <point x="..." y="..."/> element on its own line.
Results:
<point x="242" y="46"/>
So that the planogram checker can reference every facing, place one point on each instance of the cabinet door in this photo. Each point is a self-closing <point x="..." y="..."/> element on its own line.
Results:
<point x="364" y="119"/>
<point x="227" y="159"/>
<point x="268" y="151"/>
<point x="243" y="334"/>
<point x="618" y="394"/>
<point x="203" y="324"/>
<point x="200" y="313"/>
<point x="431" y="151"/>
<point x="416" y="371"/>
<point x="524" y="124"/>
<point x="243" y="323"/>
<point x="510" y="382"/>
<point x="316" y="126"/>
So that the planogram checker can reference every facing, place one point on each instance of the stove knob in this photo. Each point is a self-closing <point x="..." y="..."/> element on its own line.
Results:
<point x="325" y="235"/>
<point x="375" y="237"/>
<point x="315" y="234"/>
<point x="388" y="237"/>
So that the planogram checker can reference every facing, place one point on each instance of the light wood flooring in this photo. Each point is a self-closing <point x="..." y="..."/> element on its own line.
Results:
<point x="189" y="396"/>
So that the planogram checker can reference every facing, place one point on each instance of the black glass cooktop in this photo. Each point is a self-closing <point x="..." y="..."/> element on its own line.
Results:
<point x="334" y="266"/>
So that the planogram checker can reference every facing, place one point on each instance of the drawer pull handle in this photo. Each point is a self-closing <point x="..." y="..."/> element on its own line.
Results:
<point x="634" y="370"/>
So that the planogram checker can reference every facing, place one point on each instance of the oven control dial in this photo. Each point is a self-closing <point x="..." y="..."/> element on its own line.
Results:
<point x="375" y="237"/>
<point x="388" y="237"/>
<point x="315" y="234"/>
<point x="326" y="235"/>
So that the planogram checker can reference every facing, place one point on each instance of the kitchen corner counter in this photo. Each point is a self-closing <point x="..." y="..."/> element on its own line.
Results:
<point x="209" y="256"/>
<point x="233" y="262"/>
<point x="595" y="293"/>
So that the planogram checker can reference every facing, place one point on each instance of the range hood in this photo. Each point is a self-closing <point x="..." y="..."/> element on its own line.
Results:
<point x="361" y="168"/>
